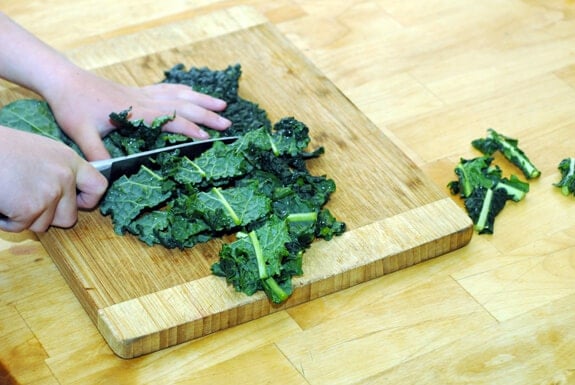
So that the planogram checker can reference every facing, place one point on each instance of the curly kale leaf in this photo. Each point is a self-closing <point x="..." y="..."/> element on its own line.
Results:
<point x="34" y="116"/>
<point x="290" y="137"/>
<point x="135" y="135"/>
<point x="222" y="162"/>
<point x="567" y="183"/>
<point x="327" y="226"/>
<point x="233" y="207"/>
<point x="148" y="225"/>
<point x="220" y="84"/>
<point x="245" y="117"/>
<point x="254" y="261"/>
<point x="128" y="197"/>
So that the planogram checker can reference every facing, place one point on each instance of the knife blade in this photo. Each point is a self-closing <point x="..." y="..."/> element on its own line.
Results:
<point x="114" y="168"/>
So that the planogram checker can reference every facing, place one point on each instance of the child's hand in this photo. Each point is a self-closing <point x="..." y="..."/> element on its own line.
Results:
<point x="44" y="182"/>
<point x="82" y="106"/>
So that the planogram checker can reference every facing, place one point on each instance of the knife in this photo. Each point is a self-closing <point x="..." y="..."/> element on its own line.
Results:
<point x="114" y="168"/>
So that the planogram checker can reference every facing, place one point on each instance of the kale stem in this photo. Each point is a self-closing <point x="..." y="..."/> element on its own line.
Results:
<point x="274" y="147"/>
<point x="482" y="219"/>
<point x="276" y="289"/>
<point x="259" y="254"/>
<point x="302" y="217"/>
<point x="200" y="170"/>
<point x="227" y="206"/>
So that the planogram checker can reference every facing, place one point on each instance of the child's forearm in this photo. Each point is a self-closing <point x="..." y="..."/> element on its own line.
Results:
<point x="29" y="62"/>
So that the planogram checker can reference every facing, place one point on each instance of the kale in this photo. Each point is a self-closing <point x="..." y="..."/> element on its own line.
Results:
<point x="483" y="205"/>
<point x="257" y="188"/>
<point x="131" y="195"/>
<point x="135" y="135"/>
<point x="34" y="116"/>
<point x="567" y="183"/>
<point x="485" y="191"/>
<point x="245" y="115"/>
<point x="510" y="150"/>
<point x="222" y="84"/>
<point x="249" y="188"/>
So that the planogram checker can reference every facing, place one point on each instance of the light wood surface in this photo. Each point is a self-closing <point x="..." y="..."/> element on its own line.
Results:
<point x="431" y="76"/>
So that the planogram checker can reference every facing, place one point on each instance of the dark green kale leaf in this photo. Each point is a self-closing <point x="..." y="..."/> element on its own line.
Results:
<point x="225" y="209"/>
<point x="245" y="117"/>
<point x="327" y="226"/>
<point x="290" y="137"/>
<point x="135" y="135"/>
<point x="485" y="191"/>
<point x="220" y="162"/>
<point x="128" y="197"/>
<point x="34" y="116"/>
<point x="148" y="225"/>
<point x="222" y="84"/>
<point x="483" y="205"/>
<point x="567" y="183"/>
<point x="253" y="261"/>
<point x="509" y="147"/>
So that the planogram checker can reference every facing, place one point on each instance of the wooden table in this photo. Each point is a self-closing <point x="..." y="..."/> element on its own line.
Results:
<point x="432" y="76"/>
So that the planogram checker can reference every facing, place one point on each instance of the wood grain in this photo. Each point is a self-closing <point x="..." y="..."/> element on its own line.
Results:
<point x="143" y="298"/>
<point x="431" y="75"/>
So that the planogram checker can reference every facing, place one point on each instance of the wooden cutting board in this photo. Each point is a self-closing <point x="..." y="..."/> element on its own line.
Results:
<point x="143" y="298"/>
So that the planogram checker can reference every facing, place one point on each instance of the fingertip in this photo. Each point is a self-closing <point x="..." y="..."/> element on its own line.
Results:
<point x="221" y="123"/>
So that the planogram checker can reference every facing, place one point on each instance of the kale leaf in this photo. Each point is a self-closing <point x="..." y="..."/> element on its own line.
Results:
<point x="485" y="191"/>
<point x="245" y="115"/>
<point x="34" y="116"/>
<point x="567" y="183"/>
<point x="129" y="196"/>
<point x="257" y="188"/>
<point x="509" y="147"/>
<point x="254" y="261"/>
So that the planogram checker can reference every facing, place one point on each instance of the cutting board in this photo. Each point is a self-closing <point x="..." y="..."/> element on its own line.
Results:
<point x="144" y="298"/>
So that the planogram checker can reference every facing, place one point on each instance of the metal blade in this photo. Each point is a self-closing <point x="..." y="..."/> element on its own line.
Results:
<point x="114" y="168"/>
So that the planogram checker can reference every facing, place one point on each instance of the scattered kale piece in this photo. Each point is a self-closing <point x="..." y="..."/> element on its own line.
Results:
<point x="495" y="141"/>
<point x="485" y="191"/>
<point x="567" y="183"/>
<point x="483" y="205"/>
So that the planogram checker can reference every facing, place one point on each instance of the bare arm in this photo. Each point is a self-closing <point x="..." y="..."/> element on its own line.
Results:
<point x="82" y="101"/>
<point x="43" y="181"/>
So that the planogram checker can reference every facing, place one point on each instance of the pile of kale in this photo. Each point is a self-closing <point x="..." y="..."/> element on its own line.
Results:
<point x="257" y="188"/>
<point x="481" y="184"/>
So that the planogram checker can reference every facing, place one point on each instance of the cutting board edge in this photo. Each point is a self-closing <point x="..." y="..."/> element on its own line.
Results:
<point x="155" y="331"/>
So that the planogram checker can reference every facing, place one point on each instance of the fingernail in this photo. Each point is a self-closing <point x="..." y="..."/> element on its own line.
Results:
<point x="225" y="123"/>
<point x="203" y="135"/>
